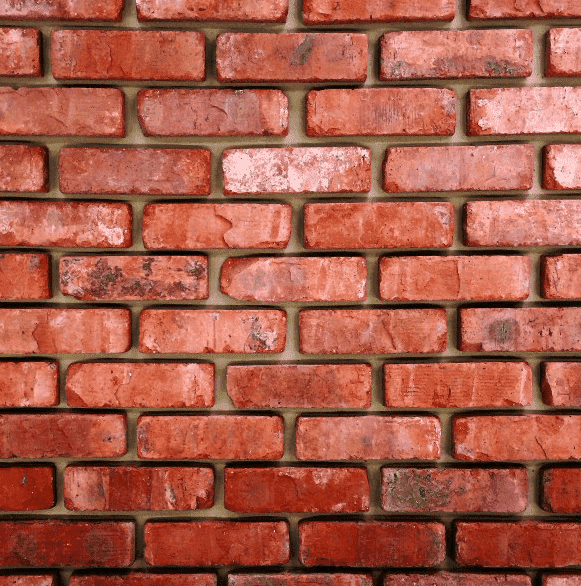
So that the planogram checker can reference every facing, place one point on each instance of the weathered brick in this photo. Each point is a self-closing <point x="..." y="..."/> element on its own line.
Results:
<point x="145" y="579"/>
<point x="561" y="276"/>
<point x="371" y="437"/>
<point x="300" y="579"/>
<point x="20" y="580"/>
<point x="560" y="492"/>
<point x="20" y="52"/>
<point x="24" y="276"/>
<point x="140" y="384"/>
<point x="562" y="166"/>
<point x="560" y="580"/>
<point x="209" y="226"/>
<point x="291" y="57"/>
<point x="26" y="489"/>
<point x="213" y="10"/>
<point x="76" y="10"/>
<point x="29" y="384"/>
<point x="381" y="112"/>
<point x="296" y="490"/>
<point x="562" y="52"/>
<point x="23" y="168"/>
<point x="487" y="9"/>
<point x="210" y="437"/>
<point x="127" y="488"/>
<point x="128" y="55"/>
<point x="561" y="384"/>
<point x="456" y="579"/>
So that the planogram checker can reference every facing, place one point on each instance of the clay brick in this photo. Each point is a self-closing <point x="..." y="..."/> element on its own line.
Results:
<point x="296" y="170"/>
<point x="168" y="331"/>
<point x="23" y="168"/>
<point x="189" y="112"/>
<point x="291" y="57"/>
<point x="454" y="490"/>
<point x="128" y="55"/>
<point x="135" y="171"/>
<point x="65" y="331"/>
<point x="487" y="9"/>
<point x="24" y="276"/>
<point x="144" y="579"/>
<point x="374" y="544"/>
<point x="18" y="580"/>
<point x="295" y="279"/>
<point x="457" y="384"/>
<point x="20" y="52"/>
<point x="560" y="580"/>
<point x="301" y="579"/>
<point x="561" y="384"/>
<point x="454" y="278"/>
<point x="561" y="276"/>
<point x="490" y="438"/>
<point x="456" y="54"/>
<point x="101" y="544"/>
<point x="62" y="435"/>
<point x="459" y="168"/>
<point x="26" y="489"/>
<point x="372" y="331"/>
<point x="381" y="112"/>
<point x="562" y="166"/>
<point x="210" y="437"/>
<point x="29" y="384"/>
<point x="319" y="386"/>
<point x="560" y="491"/>
<point x="65" y="111"/>
<point x="562" y="52"/>
<point x="456" y="579"/>
<point x="140" y="384"/>
<point x="127" y="488"/>
<point x="214" y="226"/>
<point x="296" y="490"/>
<point x="213" y="10"/>
<point x="75" y="10"/>
<point x="370" y="437"/>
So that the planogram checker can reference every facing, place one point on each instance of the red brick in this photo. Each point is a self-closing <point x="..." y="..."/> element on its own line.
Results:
<point x="378" y="225"/>
<point x="17" y="580"/>
<point x="189" y="112"/>
<point x="23" y="168"/>
<point x="562" y="166"/>
<point x="560" y="580"/>
<point x="561" y="276"/>
<point x="370" y="437"/>
<point x="296" y="490"/>
<point x="301" y="579"/>
<point x="319" y="386"/>
<point x="199" y="331"/>
<point x="62" y="435"/>
<point x="491" y="438"/>
<point x="128" y="55"/>
<point x="291" y="57"/>
<point x="457" y="384"/>
<point x="20" y="52"/>
<point x="26" y="489"/>
<point x="29" y="384"/>
<point x="140" y="384"/>
<point x="213" y="10"/>
<point x="76" y="10"/>
<point x="24" y="276"/>
<point x="372" y="331"/>
<point x="209" y="226"/>
<point x="463" y="54"/>
<point x="454" y="278"/>
<point x="101" y="544"/>
<point x="560" y="490"/>
<point x="486" y="9"/>
<point x="127" y="488"/>
<point x="65" y="111"/>
<point x="459" y="168"/>
<point x="296" y="170"/>
<point x="144" y="579"/>
<point x="454" y="490"/>
<point x="561" y="384"/>
<point x="295" y="279"/>
<point x="381" y="112"/>
<point x="65" y="331"/>
<point x="562" y="52"/>
<point x="135" y="171"/>
<point x="456" y="579"/>
<point x="210" y="437"/>
<point x="374" y="544"/>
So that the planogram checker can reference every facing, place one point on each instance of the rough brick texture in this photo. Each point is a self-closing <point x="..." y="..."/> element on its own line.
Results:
<point x="23" y="168"/>
<point x="489" y="9"/>
<point x="20" y="53"/>
<point x="26" y="489"/>
<point x="75" y="10"/>
<point x="24" y="277"/>
<point x="561" y="384"/>
<point x="560" y="492"/>
<point x="144" y="579"/>
<point x="562" y="167"/>
<point x="29" y="384"/>
<point x="561" y="53"/>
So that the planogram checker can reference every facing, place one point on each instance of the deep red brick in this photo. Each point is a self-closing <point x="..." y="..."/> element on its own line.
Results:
<point x="562" y="166"/>
<point x="560" y="580"/>
<point x="75" y="10"/>
<point x="300" y="579"/>
<point x="20" y="52"/>
<point x="24" y="277"/>
<point x="560" y="490"/>
<point x="561" y="384"/>
<point x="562" y="52"/>
<point x="26" y="489"/>
<point x="20" y="580"/>
<point x="29" y="384"/>
<point x="456" y="579"/>
<point x="531" y="9"/>
<point x="23" y="168"/>
<point x="561" y="276"/>
<point x="144" y="579"/>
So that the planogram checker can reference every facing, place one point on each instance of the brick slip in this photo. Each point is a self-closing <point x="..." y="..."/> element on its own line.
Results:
<point x="24" y="276"/>
<point x="296" y="170"/>
<point x="143" y="579"/>
<point x="127" y="488"/>
<point x="372" y="331"/>
<point x="301" y="579"/>
<point x="140" y="384"/>
<point x="561" y="580"/>
<point x="291" y="57"/>
<point x="562" y="166"/>
<point x="295" y="279"/>
<point x="370" y="437"/>
<point x="87" y="10"/>
<point x="128" y="55"/>
<point x="459" y="168"/>
<point x="296" y="490"/>
<point x="561" y="384"/>
<point x="378" y="225"/>
<point x="490" y="438"/>
<point x="486" y="9"/>
<point x="65" y="111"/>
<point x="17" y="580"/>
<point x="26" y="489"/>
<point x="65" y="331"/>
<point x="134" y="278"/>
<point x="135" y="171"/>
<point x="381" y="112"/>
<point x="189" y="112"/>
<point x="214" y="10"/>
<point x="210" y="437"/>
<point x="67" y="543"/>
<point x="20" y="52"/>
<point x="319" y="386"/>
<point x="457" y="384"/>
<point x="560" y="491"/>
<point x="213" y="226"/>
<point x="29" y="384"/>
<point x="454" y="278"/>
<point x="462" y="54"/>
<point x="562" y="52"/>
<point x="62" y="435"/>
<point x="23" y="168"/>
<point x="456" y="579"/>
<point x="458" y="490"/>
<point x="561" y="276"/>
<point x="374" y="544"/>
